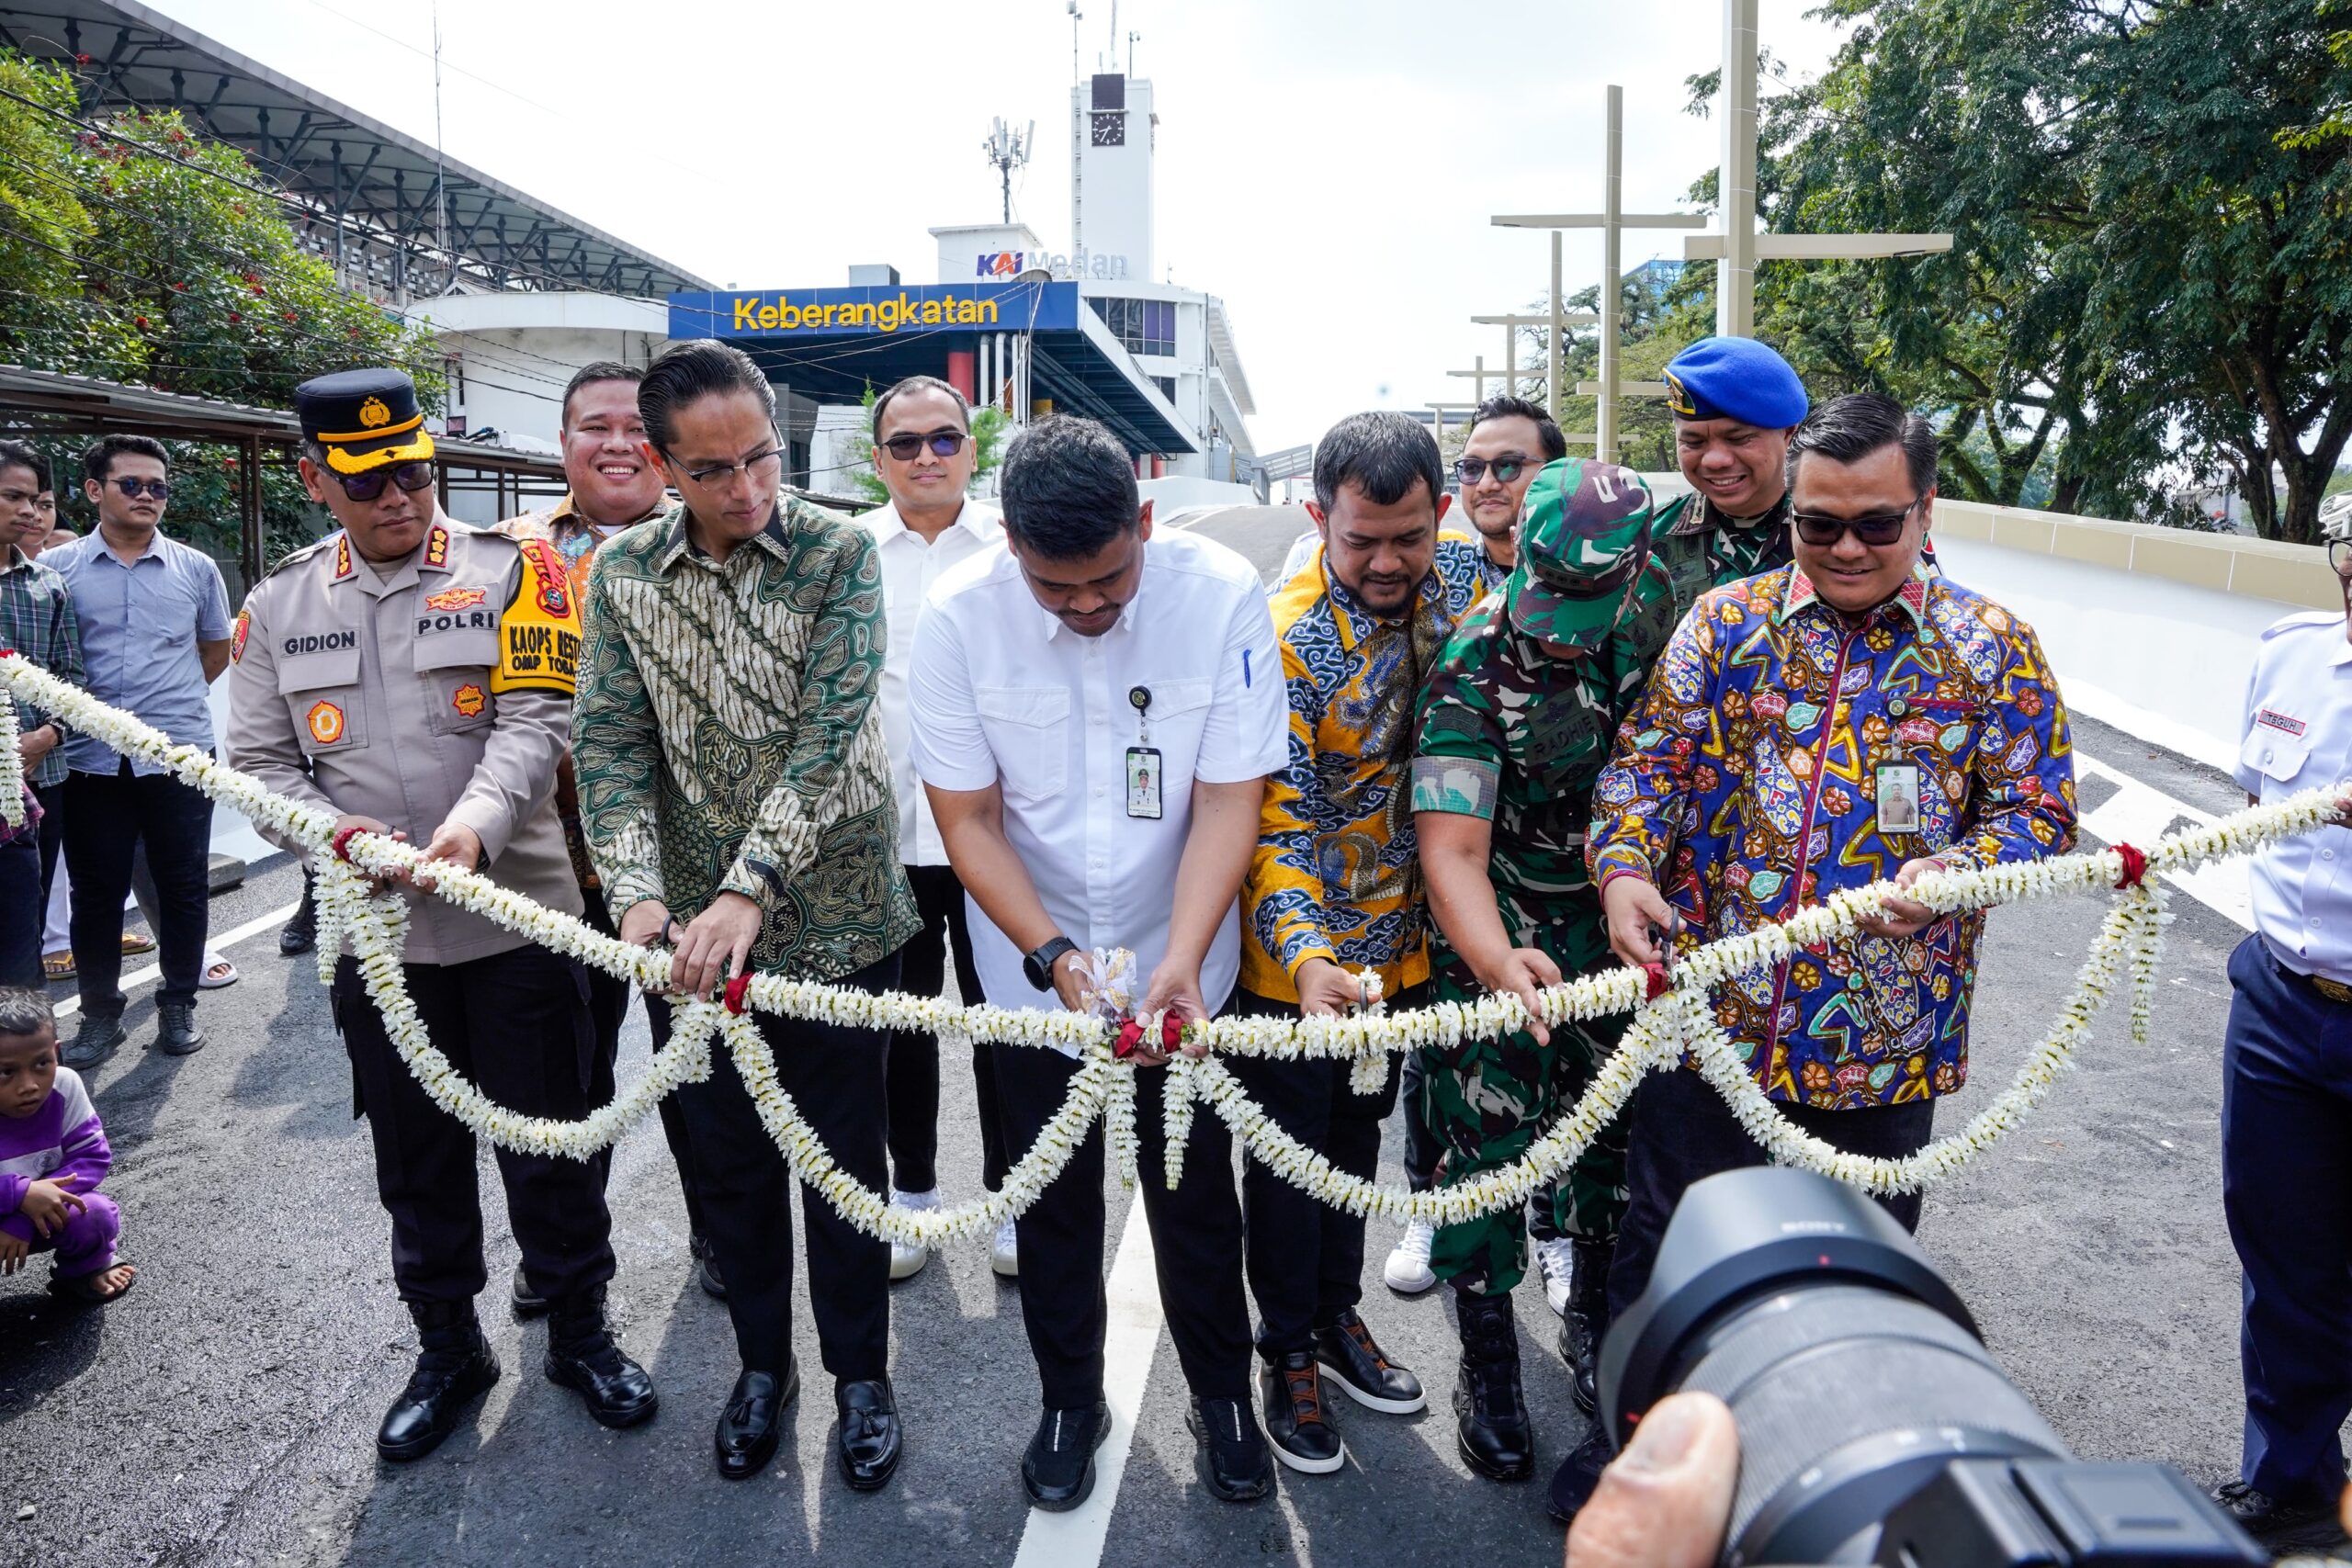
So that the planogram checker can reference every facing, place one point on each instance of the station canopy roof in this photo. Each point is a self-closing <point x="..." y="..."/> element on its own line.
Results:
<point x="832" y="343"/>
<point x="329" y="157"/>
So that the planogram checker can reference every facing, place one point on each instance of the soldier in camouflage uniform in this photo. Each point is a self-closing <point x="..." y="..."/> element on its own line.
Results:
<point x="1735" y="402"/>
<point x="1514" y="728"/>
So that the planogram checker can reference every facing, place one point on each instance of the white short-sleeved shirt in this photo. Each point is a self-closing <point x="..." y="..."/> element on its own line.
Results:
<point x="1002" y="692"/>
<point x="910" y="567"/>
<point x="2299" y="737"/>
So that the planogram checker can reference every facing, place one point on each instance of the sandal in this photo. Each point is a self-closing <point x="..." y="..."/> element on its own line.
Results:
<point x="132" y="942"/>
<point x="85" y="1289"/>
<point x="217" y="972"/>
<point x="57" y="966"/>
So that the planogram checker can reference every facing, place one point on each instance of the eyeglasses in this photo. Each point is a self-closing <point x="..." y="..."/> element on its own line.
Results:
<point x="1820" y="530"/>
<point x="943" y="444"/>
<point x="2339" y="556"/>
<point x="1473" y="470"/>
<point x="134" y="488"/>
<point x="762" y="468"/>
<point x="409" y="477"/>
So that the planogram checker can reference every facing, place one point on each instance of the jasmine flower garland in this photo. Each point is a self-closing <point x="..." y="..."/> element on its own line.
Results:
<point x="373" y="929"/>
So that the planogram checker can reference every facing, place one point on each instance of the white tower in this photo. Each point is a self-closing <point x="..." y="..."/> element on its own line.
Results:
<point x="1112" y="128"/>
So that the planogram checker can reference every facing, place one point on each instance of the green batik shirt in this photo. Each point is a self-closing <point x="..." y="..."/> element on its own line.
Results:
<point x="1702" y="548"/>
<point x="1509" y="733"/>
<point x="727" y="739"/>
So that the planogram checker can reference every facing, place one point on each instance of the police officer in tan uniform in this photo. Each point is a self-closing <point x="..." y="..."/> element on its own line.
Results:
<point x="414" y="676"/>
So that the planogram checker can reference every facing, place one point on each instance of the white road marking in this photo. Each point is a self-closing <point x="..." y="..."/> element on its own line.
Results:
<point x="1075" y="1540"/>
<point x="221" y="944"/>
<point x="2139" y="813"/>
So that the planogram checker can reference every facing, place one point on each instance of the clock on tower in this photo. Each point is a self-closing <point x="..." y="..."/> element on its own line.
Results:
<point x="1110" y="130"/>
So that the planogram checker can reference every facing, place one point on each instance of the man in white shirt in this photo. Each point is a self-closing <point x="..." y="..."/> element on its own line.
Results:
<point x="1096" y="711"/>
<point x="924" y="453"/>
<point x="2287" y="1088"/>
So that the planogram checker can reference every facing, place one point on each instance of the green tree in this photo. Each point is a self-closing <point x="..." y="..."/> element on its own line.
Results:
<point x="134" y="250"/>
<point x="2149" y="202"/>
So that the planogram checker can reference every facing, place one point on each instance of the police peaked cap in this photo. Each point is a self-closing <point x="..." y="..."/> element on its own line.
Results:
<point x="1736" y="377"/>
<point x="365" y="418"/>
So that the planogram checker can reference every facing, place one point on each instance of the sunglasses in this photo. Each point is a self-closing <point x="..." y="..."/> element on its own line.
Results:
<point x="411" y="477"/>
<point x="158" y="489"/>
<point x="1820" y="530"/>
<point x="1473" y="470"/>
<point x="943" y="444"/>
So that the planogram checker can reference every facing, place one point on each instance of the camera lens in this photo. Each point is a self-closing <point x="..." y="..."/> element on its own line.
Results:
<point x="1854" y="1372"/>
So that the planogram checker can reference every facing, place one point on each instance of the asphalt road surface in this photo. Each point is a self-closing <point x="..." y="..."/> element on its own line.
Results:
<point x="223" y="1412"/>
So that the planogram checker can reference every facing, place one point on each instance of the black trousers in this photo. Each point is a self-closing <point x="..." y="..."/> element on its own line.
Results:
<point x="516" y="1025"/>
<point x="914" y="1055"/>
<point x="107" y="816"/>
<point x="834" y="1076"/>
<point x="1195" y="1238"/>
<point x="22" y="911"/>
<point x="1681" y="1131"/>
<point x="608" y="1010"/>
<point x="53" y="835"/>
<point x="1305" y="1257"/>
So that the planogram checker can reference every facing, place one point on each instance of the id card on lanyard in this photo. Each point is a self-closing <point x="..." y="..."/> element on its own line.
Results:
<point x="1143" y="772"/>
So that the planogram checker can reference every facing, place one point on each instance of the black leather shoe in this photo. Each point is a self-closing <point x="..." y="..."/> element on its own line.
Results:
<point x="706" y="1265"/>
<point x="1497" y="1439"/>
<point x="300" y="934"/>
<point x="528" y="1304"/>
<point x="1362" y="1369"/>
<point x="747" y="1427"/>
<point x="1573" y="1483"/>
<point x="454" y="1369"/>
<point x="1289" y="1401"/>
<point x="1059" y="1470"/>
<point x="176" y="1030"/>
<point x="870" y="1439"/>
<point x="582" y="1357"/>
<point x="95" y="1041"/>
<point x="2309" y="1525"/>
<point x="1586" y="1322"/>
<point x="1231" y="1458"/>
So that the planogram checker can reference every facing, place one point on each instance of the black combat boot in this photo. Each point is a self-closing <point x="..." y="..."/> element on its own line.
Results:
<point x="1586" y="1322"/>
<point x="1496" y="1436"/>
<point x="454" y="1369"/>
<point x="300" y="934"/>
<point x="583" y="1356"/>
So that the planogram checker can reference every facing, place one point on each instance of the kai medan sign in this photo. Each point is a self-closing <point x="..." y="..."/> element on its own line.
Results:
<point x="1079" y="264"/>
<point x="810" y="312"/>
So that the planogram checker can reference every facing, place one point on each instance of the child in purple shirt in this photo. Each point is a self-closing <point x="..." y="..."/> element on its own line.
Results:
<point x="53" y="1154"/>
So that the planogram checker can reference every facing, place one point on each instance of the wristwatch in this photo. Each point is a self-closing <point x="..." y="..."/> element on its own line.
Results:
<point x="1039" y="966"/>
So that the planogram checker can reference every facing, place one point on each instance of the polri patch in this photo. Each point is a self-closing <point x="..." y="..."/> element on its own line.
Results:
<point x="467" y="699"/>
<point x="326" y="723"/>
<point x="456" y="598"/>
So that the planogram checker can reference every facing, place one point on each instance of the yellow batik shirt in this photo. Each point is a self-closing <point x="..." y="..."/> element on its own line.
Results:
<point x="1337" y="874"/>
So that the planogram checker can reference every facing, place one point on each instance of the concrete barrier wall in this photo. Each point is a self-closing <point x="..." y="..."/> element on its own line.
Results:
<point x="2227" y="563"/>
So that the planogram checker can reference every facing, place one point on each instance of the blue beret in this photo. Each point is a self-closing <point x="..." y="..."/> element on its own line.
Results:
<point x="1736" y="377"/>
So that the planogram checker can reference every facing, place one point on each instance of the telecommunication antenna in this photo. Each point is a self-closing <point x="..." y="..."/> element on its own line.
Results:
<point x="1007" y="149"/>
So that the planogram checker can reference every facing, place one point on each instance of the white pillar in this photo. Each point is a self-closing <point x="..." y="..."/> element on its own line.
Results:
<point x="1735" y="273"/>
<point x="1553" y="390"/>
<point x="1604" y="411"/>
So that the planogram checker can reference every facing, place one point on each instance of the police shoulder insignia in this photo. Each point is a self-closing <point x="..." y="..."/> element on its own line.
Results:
<point x="342" y="556"/>
<point x="237" y="637"/>
<point x="437" y="545"/>
<point x="539" y="632"/>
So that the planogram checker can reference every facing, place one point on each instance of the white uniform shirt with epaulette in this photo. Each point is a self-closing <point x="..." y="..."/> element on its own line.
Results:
<point x="438" y="691"/>
<point x="2299" y="737"/>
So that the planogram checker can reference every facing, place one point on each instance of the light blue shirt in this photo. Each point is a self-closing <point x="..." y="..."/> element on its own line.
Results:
<point x="139" y="626"/>
<point x="2299" y="737"/>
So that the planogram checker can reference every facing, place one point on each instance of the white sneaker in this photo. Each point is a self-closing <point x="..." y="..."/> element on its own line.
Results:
<point x="1004" y="1253"/>
<point x="1408" y="1273"/>
<point x="1556" y="1258"/>
<point x="905" y="1261"/>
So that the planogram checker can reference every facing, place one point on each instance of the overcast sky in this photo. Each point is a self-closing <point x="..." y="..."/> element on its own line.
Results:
<point x="1327" y="167"/>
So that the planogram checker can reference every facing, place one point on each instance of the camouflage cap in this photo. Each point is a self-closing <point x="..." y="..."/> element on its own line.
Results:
<point x="1584" y="537"/>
